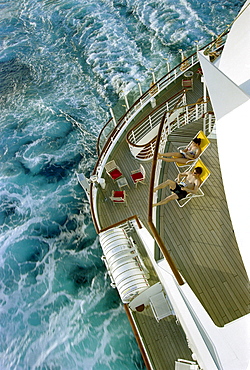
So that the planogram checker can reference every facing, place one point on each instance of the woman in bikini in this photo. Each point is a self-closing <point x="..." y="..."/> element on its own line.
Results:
<point x="191" y="152"/>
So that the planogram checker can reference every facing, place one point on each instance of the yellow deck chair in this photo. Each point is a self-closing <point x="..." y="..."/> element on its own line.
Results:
<point x="204" y="144"/>
<point x="204" y="176"/>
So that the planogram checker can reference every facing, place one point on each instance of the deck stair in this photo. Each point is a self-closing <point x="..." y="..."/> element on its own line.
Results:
<point x="142" y="137"/>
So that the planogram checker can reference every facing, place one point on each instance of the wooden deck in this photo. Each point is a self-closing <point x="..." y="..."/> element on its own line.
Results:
<point x="137" y="198"/>
<point x="164" y="340"/>
<point x="199" y="238"/>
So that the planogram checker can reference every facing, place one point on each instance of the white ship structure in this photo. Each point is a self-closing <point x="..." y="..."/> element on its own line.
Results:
<point x="182" y="269"/>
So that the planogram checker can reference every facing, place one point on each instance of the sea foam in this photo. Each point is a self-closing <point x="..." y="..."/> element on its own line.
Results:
<point x="63" y="64"/>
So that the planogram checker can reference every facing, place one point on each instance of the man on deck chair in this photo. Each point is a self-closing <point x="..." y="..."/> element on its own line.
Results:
<point x="180" y="189"/>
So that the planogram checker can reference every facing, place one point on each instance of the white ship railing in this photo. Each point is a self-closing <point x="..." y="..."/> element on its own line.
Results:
<point x="112" y="126"/>
<point x="141" y="138"/>
<point x="174" y="119"/>
<point x="208" y="122"/>
<point x="193" y="112"/>
<point x="144" y="99"/>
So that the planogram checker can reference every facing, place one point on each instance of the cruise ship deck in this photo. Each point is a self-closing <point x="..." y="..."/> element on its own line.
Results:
<point x="199" y="238"/>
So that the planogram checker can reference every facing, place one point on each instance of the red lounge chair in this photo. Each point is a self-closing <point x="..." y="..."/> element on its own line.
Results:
<point x="138" y="175"/>
<point x="115" y="174"/>
<point x="113" y="170"/>
<point x="187" y="84"/>
<point x="118" y="196"/>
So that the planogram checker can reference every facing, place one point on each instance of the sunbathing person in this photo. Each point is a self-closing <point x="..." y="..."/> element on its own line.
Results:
<point x="180" y="189"/>
<point x="191" y="152"/>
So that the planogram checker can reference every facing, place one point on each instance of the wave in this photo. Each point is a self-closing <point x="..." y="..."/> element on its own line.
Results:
<point x="63" y="64"/>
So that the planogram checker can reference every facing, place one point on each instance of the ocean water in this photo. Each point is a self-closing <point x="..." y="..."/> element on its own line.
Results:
<point x="63" y="64"/>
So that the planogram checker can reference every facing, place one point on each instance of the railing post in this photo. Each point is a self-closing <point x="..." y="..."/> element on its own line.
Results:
<point x="150" y="122"/>
<point x="133" y="134"/>
<point x="165" y="135"/>
<point x="197" y="111"/>
<point x="187" y="115"/>
<point x="204" y="94"/>
<point x="178" y="121"/>
<point x="152" y="148"/>
<point x="185" y="99"/>
<point x="126" y="101"/>
<point x="140" y="90"/>
<point x="113" y="116"/>
<point x="210" y="122"/>
<point x="204" y="124"/>
<point x="153" y="74"/>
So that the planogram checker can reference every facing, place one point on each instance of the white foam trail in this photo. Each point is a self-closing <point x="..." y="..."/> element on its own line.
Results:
<point x="57" y="309"/>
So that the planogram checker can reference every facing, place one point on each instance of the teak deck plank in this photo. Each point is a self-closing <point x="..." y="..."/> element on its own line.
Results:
<point x="209" y="245"/>
<point x="199" y="238"/>
<point x="156" y="334"/>
<point x="203" y="221"/>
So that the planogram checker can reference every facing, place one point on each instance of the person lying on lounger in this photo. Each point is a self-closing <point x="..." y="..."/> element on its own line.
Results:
<point x="180" y="189"/>
<point x="191" y="152"/>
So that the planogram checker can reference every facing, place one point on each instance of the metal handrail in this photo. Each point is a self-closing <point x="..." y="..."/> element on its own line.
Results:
<point x="191" y="112"/>
<point x="101" y="133"/>
<point x="146" y="150"/>
<point x="158" y="110"/>
<point x="150" y="218"/>
<point x="207" y="116"/>
<point x="150" y="93"/>
<point x="138" y="338"/>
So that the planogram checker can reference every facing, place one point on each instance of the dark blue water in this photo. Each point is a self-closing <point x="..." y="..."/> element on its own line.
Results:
<point x="61" y="63"/>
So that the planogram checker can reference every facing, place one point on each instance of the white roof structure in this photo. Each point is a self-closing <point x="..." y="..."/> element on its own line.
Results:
<point x="228" y="84"/>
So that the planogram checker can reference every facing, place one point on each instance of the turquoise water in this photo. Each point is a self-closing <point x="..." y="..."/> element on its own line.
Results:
<point x="61" y="63"/>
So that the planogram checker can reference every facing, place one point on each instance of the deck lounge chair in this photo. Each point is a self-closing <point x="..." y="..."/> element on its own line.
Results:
<point x="187" y="83"/>
<point x="185" y="365"/>
<point x="204" y="176"/>
<point x="118" y="196"/>
<point x="113" y="170"/>
<point x="138" y="175"/>
<point x="204" y="144"/>
<point x="160" y="306"/>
